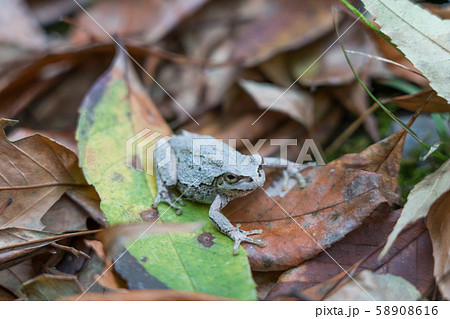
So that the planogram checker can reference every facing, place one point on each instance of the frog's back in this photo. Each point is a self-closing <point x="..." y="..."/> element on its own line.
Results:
<point x="198" y="161"/>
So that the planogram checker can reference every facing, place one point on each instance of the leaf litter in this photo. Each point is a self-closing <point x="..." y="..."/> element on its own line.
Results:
<point x="221" y="60"/>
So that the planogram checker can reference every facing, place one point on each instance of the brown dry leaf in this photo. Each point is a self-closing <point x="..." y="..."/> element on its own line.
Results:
<point x="65" y="138"/>
<point x="420" y="200"/>
<point x="151" y="20"/>
<point x="411" y="259"/>
<point x="438" y="223"/>
<point x="207" y="36"/>
<point x="277" y="71"/>
<point x="18" y="244"/>
<point x="442" y="10"/>
<point x="378" y="287"/>
<point x="296" y="103"/>
<point x="71" y="71"/>
<point x="35" y="172"/>
<point x="147" y="295"/>
<point x="26" y="32"/>
<point x="412" y="102"/>
<point x="332" y="68"/>
<point x="13" y="277"/>
<point x="339" y="197"/>
<point x="278" y="26"/>
<point x="265" y="282"/>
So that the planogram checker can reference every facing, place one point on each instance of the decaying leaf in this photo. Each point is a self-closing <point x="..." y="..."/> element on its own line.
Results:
<point x="438" y="223"/>
<point x="12" y="278"/>
<point x="340" y="195"/>
<point x="420" y="35"/>
<point x="51" y="287"/>
<point x="115" y="109"/>
<point x="420" y="199"/>
<point x="410" y="258"/>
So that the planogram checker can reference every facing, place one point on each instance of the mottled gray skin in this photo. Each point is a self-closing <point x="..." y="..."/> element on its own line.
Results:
<point x="200" y="176"/>
<point x="204" y="175"/>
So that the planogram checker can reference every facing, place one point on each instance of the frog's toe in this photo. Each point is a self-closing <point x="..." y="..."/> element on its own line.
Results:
<point x="239" y="236"/>
<point x="165" y="197"/>
<point x="180" y="201"/>
<point x="293" y="172"/>
<point x="252" y="232"/>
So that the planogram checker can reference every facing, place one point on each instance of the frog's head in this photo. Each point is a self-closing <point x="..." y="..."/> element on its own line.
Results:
<point x="239" y="180"/>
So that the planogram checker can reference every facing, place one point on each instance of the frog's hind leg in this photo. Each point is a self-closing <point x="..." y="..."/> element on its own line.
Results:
<point x="225" y="227"/>
<point x="165" y="162"/>
<point x="290" y="170"/>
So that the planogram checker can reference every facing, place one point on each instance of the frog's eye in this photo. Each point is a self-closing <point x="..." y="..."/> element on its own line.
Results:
<point x="230" y="178"/>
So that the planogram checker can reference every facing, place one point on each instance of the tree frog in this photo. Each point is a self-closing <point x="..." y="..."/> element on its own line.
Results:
<point x="206" y="170"/>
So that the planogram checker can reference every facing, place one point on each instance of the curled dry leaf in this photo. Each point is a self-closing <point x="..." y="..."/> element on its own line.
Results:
<point x="420" y="199"/>
<point x="412" y="102"/>
<point x="18" y="244"/>
<point x="438" y="223"/>
<point x="340" y="195"/>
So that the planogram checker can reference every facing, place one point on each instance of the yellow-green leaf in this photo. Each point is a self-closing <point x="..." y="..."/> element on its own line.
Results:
<point x="115" y="109"/>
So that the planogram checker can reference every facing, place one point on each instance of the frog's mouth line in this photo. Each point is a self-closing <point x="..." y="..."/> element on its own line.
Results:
<point x="245" y="184"/>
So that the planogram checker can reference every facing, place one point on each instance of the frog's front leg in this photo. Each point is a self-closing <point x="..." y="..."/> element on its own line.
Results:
<point x="165" y="195"/>
<point x="225" y="227"/>
<point x="169" y="168"/>
<point x="291" y="170"/>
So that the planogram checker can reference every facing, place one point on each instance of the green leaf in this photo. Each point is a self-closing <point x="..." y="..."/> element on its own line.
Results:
<point x="115" y="109"/>
<point x="419" y="201"/>
<point x="423" y="37"/>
